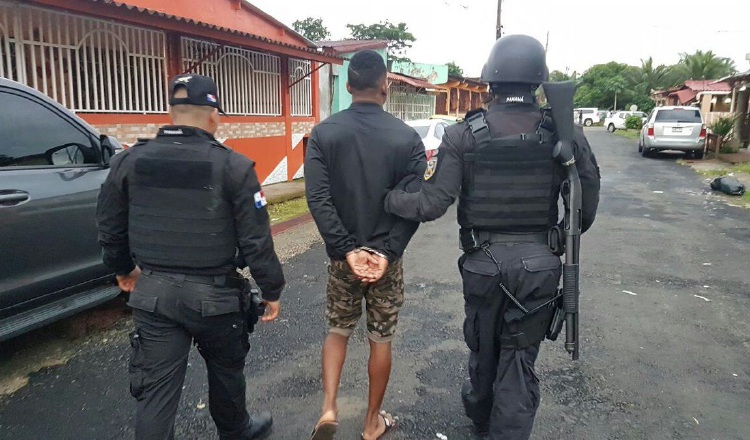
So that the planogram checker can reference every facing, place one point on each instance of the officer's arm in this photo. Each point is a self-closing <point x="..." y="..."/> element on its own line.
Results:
<point x="588" y="171"/>
<point x="438" y="192"/>
<point x="112" y="218"/>
<point x="403" y="230"/>
<point x="320" y="201"/>
<point x="253" y="227"/>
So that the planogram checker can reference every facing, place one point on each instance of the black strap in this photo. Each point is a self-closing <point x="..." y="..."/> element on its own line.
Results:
<point x="479" y="129"/>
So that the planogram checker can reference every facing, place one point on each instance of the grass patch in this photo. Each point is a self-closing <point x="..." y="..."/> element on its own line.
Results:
<point x="280" y="212"/>
<point x="630" y="134"/>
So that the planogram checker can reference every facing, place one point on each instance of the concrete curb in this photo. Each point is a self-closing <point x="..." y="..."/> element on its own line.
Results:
<point x="281" y="198"/>
<point x="289" y="224"/>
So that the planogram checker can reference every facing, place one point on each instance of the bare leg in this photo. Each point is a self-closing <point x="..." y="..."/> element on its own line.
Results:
<point x="379" y="370"/>
<point x="334" y="355"/>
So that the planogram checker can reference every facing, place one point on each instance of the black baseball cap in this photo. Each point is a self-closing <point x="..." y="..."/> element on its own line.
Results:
<point x="201" y="90"/>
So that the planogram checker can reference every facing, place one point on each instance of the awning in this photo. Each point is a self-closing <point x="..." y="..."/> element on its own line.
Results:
<point x="415" y="82"/>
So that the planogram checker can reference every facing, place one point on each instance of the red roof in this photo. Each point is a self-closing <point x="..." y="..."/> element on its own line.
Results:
<point x="685" y="96"/>
<point x="708" y="86"/>
<point x="418" y="83"/>
<point x="349" y="46"/>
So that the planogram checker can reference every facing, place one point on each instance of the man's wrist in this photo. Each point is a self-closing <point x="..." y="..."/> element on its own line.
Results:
<point x="373" y="251"/>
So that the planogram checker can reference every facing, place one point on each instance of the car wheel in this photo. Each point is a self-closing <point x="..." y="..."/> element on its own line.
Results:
<point x="611" y="128"/>
<point x="645" y="152"/>
<point x="698" y="154"/>
<point x="588" y="122"/>
<point x="640" y="145"/>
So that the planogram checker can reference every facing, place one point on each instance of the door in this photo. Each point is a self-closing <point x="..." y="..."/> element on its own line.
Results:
<point x="50" y="175"/>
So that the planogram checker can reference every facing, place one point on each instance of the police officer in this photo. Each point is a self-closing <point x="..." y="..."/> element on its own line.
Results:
<point x="175" y="215"/>
<point x="500" y="165"/>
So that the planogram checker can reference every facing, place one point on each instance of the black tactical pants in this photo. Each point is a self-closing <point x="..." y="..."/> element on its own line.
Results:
<point x="503" y="393"/>
<point x="170" y="313"/>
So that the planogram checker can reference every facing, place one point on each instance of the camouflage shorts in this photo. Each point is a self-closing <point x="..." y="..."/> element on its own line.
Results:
<point x="383" y="300"/>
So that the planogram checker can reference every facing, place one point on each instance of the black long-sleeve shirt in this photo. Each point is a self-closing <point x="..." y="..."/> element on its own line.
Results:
<point x="503" y="119"/>
<point x="252" y="224"/>
<point x="353" y="159"/>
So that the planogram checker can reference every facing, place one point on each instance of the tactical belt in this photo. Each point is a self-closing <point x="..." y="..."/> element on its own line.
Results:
<point x="231" y="280"/>
<point x="472" y="240"/>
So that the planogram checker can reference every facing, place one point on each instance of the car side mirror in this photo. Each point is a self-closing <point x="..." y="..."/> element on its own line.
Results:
<point x="110" y="147"/>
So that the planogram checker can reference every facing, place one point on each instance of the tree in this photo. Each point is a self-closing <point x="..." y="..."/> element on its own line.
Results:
<point x="311" y="28"/>
<point x="705" y="65"/>
<point x="398" y="37"/>
<point x="558" y="76"/>
<point x="604" y="84"/>
<point x="454" y="70"/>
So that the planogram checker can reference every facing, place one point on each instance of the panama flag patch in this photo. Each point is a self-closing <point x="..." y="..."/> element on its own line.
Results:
<point x="260" y="199"/>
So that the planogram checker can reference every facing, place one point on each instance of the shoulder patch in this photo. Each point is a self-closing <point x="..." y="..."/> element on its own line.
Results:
<point x="260" y="200"/>
<point x="432" y="160"/>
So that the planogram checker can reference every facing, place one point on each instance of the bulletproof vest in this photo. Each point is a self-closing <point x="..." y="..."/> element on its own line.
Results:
<point x="179" y="215"/>
<point x="509" y="183"/>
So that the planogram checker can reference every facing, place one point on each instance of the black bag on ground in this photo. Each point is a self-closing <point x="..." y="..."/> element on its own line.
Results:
<point x="728" y="185"/>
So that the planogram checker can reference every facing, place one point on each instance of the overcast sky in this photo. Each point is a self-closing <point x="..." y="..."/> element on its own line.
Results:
<point x="582" y="33"/>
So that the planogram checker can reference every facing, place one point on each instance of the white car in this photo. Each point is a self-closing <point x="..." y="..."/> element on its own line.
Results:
<point x="587" y="116"/>
<point x="616" y="120"/>
<point x="430" y="130"/>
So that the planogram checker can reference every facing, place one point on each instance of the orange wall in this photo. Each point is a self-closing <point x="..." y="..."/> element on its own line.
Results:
<point x="265" y="152"/>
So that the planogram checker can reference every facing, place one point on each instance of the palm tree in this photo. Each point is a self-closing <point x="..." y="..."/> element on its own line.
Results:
<point x="648" y="77"/>
<point x="705" y="65"/>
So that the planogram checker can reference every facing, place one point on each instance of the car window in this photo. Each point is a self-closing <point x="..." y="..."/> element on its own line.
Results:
<point x="439" y="131"/>
<point x="422" y="130"/>
<point x="587" y="111"/>
<point x="678" y="115"/>
<point x="34" y="135"/>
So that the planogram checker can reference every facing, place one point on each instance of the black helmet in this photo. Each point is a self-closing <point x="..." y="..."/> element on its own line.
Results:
<point x="516" y="59"/>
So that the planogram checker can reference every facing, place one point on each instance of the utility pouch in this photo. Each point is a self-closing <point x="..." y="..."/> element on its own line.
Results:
<point x="558" y="319"/>
<point x="252" y="305"/>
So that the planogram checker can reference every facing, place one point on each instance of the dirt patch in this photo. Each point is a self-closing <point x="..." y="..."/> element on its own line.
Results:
<point x="710" y="169"/>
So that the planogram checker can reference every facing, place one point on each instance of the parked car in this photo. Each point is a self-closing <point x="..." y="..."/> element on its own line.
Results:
<point x="448" y="118"/>
<point x="52" y="165"/>
<point x="616" y="120"/>
<point x="674" y="128"/>
<point x="430" y="130"/>
<point x="587" y="116"/>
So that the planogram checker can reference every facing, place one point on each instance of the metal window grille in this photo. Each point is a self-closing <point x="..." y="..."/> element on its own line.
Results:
<point x="299" y="73"/>
<point x="86" y="64"/>
<point x="405" y="103"/>
<point x="249" y="82"/>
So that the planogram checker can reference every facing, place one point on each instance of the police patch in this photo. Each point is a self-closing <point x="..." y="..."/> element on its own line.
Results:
<point x="432" y="160"/>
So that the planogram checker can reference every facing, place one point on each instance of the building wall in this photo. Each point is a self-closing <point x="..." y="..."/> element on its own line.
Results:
<point x="325" y="87"/>
<point x="341" y="98"/>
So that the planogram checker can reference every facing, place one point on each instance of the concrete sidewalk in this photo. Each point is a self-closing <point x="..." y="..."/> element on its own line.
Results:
<point x="281" y="192"/>
<point x="742" y="156"/>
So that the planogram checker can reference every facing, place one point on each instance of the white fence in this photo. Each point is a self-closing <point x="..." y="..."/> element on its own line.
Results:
<point x="405" y="103"/>
<point x="86" y="64"/>
<point x="301" y="91"/>
<point x="249" y="82"/>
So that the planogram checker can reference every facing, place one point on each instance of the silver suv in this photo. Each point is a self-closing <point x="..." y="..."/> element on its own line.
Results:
<point x="674" y="128"/>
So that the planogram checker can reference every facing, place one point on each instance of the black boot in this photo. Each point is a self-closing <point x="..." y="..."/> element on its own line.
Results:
<point x="259" y="427"/>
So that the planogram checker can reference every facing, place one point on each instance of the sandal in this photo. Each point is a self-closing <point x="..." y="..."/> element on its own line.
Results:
<point x="325" y="430"/>
<point x="390" y="423"/>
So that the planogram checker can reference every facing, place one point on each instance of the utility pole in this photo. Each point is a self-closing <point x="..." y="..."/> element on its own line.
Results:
<point x="546" y="45"/>
<point x="499" y="28"/>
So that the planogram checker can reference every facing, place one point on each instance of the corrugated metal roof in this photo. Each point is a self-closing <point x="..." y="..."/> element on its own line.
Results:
<point x="411" y="81"/>
<point x="348" y="46"/>
<point x="311" y="49"/>
<point x="708" y="86"/>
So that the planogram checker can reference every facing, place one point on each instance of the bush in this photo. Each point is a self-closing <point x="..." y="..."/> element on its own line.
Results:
<point x="633" y="122"/>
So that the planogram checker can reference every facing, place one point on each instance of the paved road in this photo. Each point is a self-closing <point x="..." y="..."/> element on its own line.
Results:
<point x="665" y="319"/>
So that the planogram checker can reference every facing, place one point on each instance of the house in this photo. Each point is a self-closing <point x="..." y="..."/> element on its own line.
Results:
<point x="409" y="97"/>
<point x="110" y="62"/>
<point x="459" y="95"/>
<point x="712" y="97"/>
<point x="740" y="84"/>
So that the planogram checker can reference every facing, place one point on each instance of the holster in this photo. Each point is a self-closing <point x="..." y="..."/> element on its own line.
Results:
<point x="252" y="305"/>
<point x="527" y="331"/>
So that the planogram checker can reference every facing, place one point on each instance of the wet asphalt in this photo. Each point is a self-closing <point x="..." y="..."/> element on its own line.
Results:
<point x="665" y="320"/>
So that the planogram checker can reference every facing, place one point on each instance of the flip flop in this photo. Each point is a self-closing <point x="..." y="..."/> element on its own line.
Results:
<point x="325" y="430"/>
<point x="390" y="423"/>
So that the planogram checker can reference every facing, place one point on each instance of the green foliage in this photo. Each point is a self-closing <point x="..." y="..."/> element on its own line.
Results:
<point x="311" y="28"/>
<point x="558" y="76"/>
<point x="722" y="127"/>
<point x="705" y="65"/>
<point x="398" y="36"/>
<point x="455" y="70"/>
<point x="633" y="122"/>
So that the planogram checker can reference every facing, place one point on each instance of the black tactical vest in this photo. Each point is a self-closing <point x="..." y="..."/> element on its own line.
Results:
<point x="179" y="215"/>
<point x="509" y="183"/>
